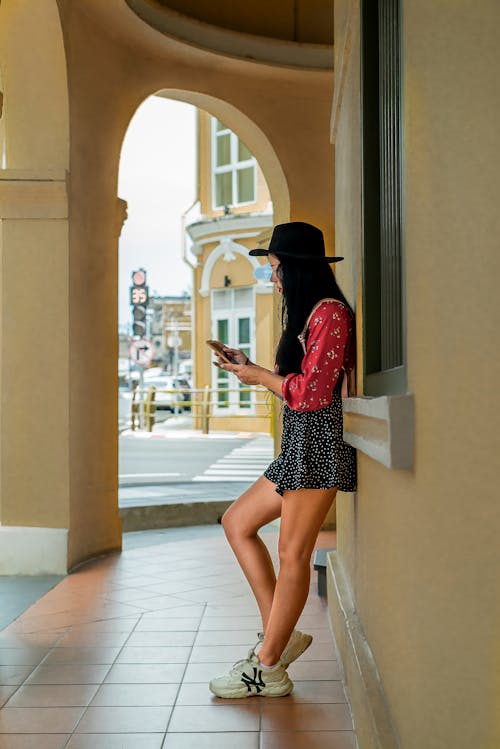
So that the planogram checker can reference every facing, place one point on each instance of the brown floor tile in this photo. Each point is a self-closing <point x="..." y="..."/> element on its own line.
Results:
<point x="315" y="692"/>
<point x="174" y="624"/>
<point x="214" y="653"/>
<point x="124" y="719"/>
<point x="33" y="741"/>
<point x="159" y="603"/>
<point x="11" y="639"/>
<point x="308" y="740"/>
<point x="208" y="718"/>
<point x="69" y="674"/>
<point x="135" y="695"/>
<point x="125" y="624"/>
<point x="243" y="610"/>
<point x="5" y="693"/>
<point x="125" y="595"/>
<point x="78" y="639"/>
<point x="159" y="638"/>
<point x="56" y="695"/>
<point x="320" y="651"/>
<point x="308" y="622"/>
<point x="243" y="637"/>
<point x="203" y="672"/>
<point x="247" y="740"/>
<point x="155" y="654"/>
<point x="302" y="670"/>
<point x="238" y="623"/>
<point x="150" y="673"/>
<point x="321" y="635"/>
<point x="305" y="717"/>
<point x="13" y="675"/>
<point x="22" y="656"/>
<point x="199" y="694"/>
<point x="115" y="741"/>
<point x="181" y="611"/>
<point x="171" y="587"/>
<point x="39" y="719"/>
<point x="91" y="655"/>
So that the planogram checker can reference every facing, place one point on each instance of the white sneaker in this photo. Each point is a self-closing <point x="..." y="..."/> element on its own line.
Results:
<point x="247" y="678"/>
<point x="297" y="644"/>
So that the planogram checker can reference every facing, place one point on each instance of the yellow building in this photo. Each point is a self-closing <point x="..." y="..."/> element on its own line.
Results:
<point x="404" y="184"/>
<point x="229" y="304"/>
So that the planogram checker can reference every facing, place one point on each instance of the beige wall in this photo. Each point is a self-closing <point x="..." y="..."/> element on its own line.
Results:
<point x="420" y="548"/>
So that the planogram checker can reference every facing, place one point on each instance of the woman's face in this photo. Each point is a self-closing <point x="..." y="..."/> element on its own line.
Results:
<point x="276" y="275"/>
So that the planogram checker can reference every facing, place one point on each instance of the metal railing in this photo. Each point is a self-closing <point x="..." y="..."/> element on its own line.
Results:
<point x="205" y="403"/>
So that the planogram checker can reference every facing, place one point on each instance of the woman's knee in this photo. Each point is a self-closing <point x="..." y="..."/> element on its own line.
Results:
<point x="234" y="525"/>
<point x="293" y="555"/>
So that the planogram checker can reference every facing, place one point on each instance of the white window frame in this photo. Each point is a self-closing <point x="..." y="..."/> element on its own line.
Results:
<point x="234" y="167"/>
<point x="232" y="314"/>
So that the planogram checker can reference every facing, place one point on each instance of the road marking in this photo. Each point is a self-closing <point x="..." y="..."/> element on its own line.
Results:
<point x="245" y="463"/>
<point x="147" y="475"/>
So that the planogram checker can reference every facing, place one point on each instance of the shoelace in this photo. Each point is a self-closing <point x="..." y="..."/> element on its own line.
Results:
<point x="238" y="664"/>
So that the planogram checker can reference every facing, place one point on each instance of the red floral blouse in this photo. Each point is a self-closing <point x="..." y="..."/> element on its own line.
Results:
<point x="328" y="353"/>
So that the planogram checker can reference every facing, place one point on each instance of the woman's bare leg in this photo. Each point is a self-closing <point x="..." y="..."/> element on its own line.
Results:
<point x="303" y="513"/>
<point x="257" y="506"/>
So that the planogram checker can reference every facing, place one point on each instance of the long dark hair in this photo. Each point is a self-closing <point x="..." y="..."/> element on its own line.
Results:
<point x="304" y="283"/>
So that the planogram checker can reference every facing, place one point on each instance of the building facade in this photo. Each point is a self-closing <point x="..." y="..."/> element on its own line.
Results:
<point x="230" y="304"/>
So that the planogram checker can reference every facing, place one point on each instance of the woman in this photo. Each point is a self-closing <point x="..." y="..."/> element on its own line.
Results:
<point x="315" y="353"/>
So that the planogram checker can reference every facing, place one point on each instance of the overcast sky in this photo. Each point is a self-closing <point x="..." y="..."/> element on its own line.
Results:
<point x="157" y="179"/>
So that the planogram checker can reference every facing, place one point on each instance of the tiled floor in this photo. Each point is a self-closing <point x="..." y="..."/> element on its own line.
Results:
<point x="118" y="655"/>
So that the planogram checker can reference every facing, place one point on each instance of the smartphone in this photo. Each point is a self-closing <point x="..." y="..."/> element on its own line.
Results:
<point x="219" y="349"/>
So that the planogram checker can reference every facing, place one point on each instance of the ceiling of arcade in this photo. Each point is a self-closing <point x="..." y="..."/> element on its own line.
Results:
<point x="290" y="20"/>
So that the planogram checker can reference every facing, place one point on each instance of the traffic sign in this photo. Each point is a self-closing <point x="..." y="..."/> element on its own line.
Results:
<point x="141" y="352"/>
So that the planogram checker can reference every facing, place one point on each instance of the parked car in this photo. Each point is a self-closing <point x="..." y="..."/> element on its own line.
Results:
<point x="168" y="401"/>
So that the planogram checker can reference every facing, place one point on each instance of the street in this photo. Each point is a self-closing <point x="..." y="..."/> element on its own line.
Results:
<point x="178" y="464"/>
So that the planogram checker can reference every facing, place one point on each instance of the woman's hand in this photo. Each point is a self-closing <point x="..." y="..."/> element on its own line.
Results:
<point x="248" y="374"/>
<point x="237" y="356"/>
<point x="252" y="374"/>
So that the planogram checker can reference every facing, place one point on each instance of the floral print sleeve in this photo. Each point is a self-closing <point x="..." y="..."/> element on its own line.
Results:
<point x="329" y="332"/>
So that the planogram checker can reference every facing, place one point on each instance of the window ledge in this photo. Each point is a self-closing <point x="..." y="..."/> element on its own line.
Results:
<point x="382" y="428"/>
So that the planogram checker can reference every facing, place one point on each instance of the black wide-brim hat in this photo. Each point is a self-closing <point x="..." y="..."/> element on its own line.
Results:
<point x="297" y="239"/>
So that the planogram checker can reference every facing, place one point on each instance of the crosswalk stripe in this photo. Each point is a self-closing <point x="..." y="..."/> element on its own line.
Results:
<point x="245" y="463"/>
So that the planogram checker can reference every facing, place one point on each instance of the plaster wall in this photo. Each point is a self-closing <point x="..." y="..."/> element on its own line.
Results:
<point x="420" y="548"/>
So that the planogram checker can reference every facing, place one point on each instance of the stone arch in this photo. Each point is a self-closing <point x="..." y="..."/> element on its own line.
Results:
<point x="256" y="140"/>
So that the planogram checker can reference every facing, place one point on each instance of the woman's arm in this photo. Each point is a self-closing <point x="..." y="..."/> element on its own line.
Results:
<point x="329" y="331"/>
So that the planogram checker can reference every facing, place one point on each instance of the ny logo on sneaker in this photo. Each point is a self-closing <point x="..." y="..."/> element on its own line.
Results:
<point x="249" y="681"/>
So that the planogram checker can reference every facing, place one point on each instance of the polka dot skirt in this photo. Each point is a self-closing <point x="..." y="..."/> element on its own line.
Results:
<point x="313" y="453"/>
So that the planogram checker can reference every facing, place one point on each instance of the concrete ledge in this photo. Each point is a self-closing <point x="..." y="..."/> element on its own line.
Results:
<point x="372" y="721"/>
<point x="382" y="428"/>
<point x="33" y="551"/>
<point x="172" y="515"/>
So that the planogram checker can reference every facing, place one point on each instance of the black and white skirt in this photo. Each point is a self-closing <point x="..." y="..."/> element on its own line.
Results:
<point x="313" y="453"/>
